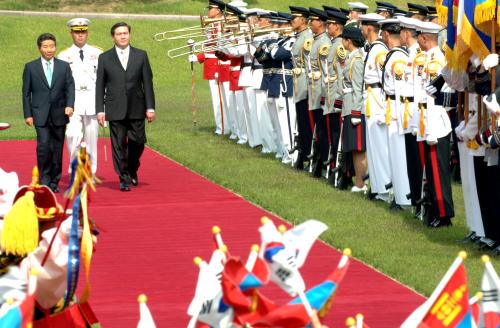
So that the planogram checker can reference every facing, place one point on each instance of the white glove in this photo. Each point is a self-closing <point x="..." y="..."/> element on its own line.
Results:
<point x="414" y="131"/>
<point x="216" y="76"/>
<point x="192" y="58"/>
<point x="490" y="61"/>
<point x="430" y="90"/>
<point x="459" y="129"/>
<point x="475" y="61"/>
<point x="380" y="119"/>
<point x="492" y="105"/>
<point x="431" y="140"/>
<point x="355" y="120"/>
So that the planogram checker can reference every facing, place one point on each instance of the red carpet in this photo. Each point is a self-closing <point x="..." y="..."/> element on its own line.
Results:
<point x="150" y="235"/>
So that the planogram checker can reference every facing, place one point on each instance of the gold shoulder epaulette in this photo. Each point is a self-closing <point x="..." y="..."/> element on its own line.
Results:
<point x="96" y="47"/>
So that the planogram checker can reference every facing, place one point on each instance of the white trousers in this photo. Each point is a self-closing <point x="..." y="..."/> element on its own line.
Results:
<point x="252" y="120"/>
<point x="237" y="108"/>
<point x="473" y="216"/>
<point x="218" y="97"/>
<point x="265" y="126"/>
<point x="377" y="153"/>
<point x="287" y="118"/>
<point x="83" y="128"/>
<point x="272" y="106"/>
<point x="397" y="160"/>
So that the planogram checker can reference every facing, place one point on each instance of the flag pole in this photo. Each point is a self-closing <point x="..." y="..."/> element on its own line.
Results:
<point x="493" y="70"/>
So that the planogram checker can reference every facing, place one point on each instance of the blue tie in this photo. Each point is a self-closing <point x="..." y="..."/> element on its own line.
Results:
<point x="48" y="74"/>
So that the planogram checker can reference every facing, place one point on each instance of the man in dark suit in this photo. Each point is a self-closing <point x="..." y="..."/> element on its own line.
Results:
<point x="125" y="97"/>
<point x="48" y="100"/>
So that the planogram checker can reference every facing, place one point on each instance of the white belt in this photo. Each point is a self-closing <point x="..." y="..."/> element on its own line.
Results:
<point x="208" y="55"/>
<point x="234" y="68"/>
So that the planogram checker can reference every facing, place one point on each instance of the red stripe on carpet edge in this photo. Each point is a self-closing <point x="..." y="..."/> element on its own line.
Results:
<point x="167" y="221"/>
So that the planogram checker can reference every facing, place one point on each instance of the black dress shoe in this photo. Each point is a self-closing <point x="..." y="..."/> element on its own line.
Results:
<point x="467" y="238"/>
<point x="133" y="180"/>
<point x="124" y="186"/>
<point x="440" y="222"/>
<point x="496" y="251"/>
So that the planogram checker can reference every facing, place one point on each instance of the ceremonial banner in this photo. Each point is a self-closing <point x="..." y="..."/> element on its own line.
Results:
<point x="475" y="28"/>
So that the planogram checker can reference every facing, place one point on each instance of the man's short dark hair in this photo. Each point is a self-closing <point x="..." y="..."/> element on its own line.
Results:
<point x="45" y="37"/>
<point x="120" y="24"/>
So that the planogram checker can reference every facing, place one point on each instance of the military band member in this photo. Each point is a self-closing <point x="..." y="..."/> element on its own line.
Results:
<point x="246" y="81"/>
<point x="302" y="33"/>
<point x="353" y="135"/>
<point x="216" y="73"/>
<point x="437" y="130"/>
<point x="355" y="10"/>
<point x="260" y="79"/>
<point x="374" y="110"/>
<point x="237" y="104"/>
<point x="318" y="72"/>
<point x="393" y="85"/>
<point x="333" y="85"/>
<point x="82" y="57"/>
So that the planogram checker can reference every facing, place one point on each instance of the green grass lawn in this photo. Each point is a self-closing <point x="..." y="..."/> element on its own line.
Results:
<point x="194" y="7"/>
<point x="394" y="243"/>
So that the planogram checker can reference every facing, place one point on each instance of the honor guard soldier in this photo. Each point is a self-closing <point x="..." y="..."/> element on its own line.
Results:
<point x="353" y="134"/>
<point x="333" y="85"/>
<point x="374" y="109"/>
<point x="229" y="52"/>
<point x="214" y="72"/>
<point x="413" y="83"/>
<point x="486" y="173"/>
<point x="396" y="113"/>
<point x="437" y="131"/>
<point x="302" y="33"/>
<point x="355" y="10"/>
<point x="417" y="11"/>
<point x="82" y="58"/>
<point x="385" y="9"/>
<point x="276" y="56"/>
<point x="247" y="81"/>
<point x="317" y="73"/>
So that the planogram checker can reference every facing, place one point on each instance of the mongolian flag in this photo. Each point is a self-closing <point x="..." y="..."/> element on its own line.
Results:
<point x="490" y="286"/>
<point x="448" y="306"/>
<point x="237" y="280"/>
<point x="21" y="316"/>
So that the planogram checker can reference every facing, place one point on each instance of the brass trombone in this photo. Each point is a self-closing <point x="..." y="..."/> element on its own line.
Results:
<point x="205" y="23"/>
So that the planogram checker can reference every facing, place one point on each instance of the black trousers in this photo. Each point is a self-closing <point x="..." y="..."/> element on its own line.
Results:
<point x="413" y="167"/>
<point x="321" y="133"/>
<point x="304" y="127"/>
<point x="437" y="172"/>
<point x="49" y="152"/>
<point x="127" y="140"/>
<point x="333" y="124"/>
<point x="487" y="178"/>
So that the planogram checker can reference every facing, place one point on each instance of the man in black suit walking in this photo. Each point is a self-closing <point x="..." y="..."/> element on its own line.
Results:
<point x="48" y="100"/>
<point x="125" y="97"/>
